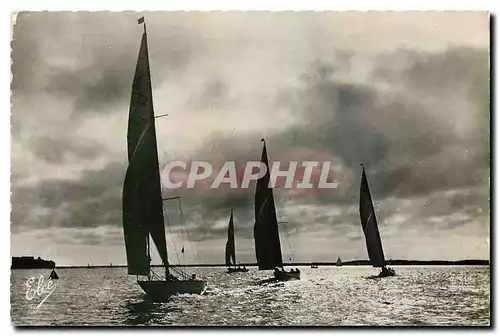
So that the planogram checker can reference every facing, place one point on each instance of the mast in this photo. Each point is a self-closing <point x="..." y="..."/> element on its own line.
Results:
<point x="369" y="224"/>
<point x="266" y="234"/>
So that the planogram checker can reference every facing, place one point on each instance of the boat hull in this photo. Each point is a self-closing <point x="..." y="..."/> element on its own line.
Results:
<point x="161" y="289"/>
<point x="235" y="270"/>
<point x="287" y="276"/>
<point x="384" y="274"/>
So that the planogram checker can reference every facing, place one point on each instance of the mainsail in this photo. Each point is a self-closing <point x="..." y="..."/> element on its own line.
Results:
<point x="142" y="199"/>
<point x="266" y="234"/>
<point x="230" y="246"/>
<point x="369" y="224"/>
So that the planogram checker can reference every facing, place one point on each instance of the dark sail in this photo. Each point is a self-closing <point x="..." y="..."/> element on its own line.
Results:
<point x="142" y="199"/>
<point x="369" y="224"/>
<point x="230" y="246"/>
<point x="266" y="234"/>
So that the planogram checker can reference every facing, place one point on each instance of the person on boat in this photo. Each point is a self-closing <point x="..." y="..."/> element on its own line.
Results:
<point x="193" y="276"/>
<point x="244" y="268"/>
<point x="172" y="277"/>
<point x="276" y="272"/>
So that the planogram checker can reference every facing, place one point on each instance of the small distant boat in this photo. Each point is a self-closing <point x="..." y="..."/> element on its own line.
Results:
<point x="88" y="265"/>
<point x="339" y="262"/>
<point x="266" y="233"/>
<point x="53" y="275"/>
<point x="314" y="265"/>
<point x="231" y="249"/>
<point x="370" y="229"/>
<point x="142" y="198"/>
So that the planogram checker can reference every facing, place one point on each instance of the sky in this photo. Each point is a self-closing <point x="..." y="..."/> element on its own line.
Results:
<point x="405" y="93"/>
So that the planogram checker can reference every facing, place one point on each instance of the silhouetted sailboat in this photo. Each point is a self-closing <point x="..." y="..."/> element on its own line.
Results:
<point x="339" y="262"/>
<point x="142" y="197"/>
<point x="370" y="229"/>
<point x="266" y="234"/>
<point x="53" y="275"/>
<point x="231" y="249"/>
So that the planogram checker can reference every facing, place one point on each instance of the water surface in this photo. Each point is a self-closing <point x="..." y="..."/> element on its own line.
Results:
<point x="326" y="296"/>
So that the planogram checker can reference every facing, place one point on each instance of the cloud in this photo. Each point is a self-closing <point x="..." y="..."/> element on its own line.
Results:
<point x="91" y="200"/>
<point x="92" y="61"/>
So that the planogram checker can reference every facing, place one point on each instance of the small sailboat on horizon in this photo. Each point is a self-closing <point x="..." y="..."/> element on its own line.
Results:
<point x="231" y="249"/>
<point x="370" y="229"/>
<point x="338" y="262"/>
<point x="143" y="214"/>
<point x="266" y="233"/>
<point x="53" y="275"/>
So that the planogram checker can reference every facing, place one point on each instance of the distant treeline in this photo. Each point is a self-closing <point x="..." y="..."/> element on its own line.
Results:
<point x="397" y="262"/>
<point x="29" y="262"/>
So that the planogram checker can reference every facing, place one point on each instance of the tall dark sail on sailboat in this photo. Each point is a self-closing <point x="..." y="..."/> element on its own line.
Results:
<point x="369" y="224"/>
<point x="370" y="227"/>
<point x="267" y="240"/>
<point x="142" y="200"/>
<point x="266" y="233"/>
<point x="231" y="249"/>
<point x="230" y="246"/>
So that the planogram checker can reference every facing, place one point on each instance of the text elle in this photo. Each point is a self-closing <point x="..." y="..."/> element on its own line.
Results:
<point x="38" y="289"/>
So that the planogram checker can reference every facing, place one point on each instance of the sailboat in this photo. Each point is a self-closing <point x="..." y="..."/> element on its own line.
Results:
<point x="231" y="249"/>
<point x="370" y="229"/>
<point x="53" y="275"/>
<point x="339" y="262"/>
<point x="266" y="234"/>
<point x="142" y="197"/>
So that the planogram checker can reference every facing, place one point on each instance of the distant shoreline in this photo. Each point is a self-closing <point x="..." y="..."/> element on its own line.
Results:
<point x="467" y="262"/>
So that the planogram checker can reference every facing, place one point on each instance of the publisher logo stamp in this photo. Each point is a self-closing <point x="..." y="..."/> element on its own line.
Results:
<point x="39" y="289"/>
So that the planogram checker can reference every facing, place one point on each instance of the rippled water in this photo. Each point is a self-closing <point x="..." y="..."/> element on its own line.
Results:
<point x="328" y="296"/>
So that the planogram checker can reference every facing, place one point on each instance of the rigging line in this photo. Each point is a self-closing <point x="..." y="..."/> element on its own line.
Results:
<point x="191" y="246"/>
<point x="188" y="237"/>
<point x="170" y="230"/>
<point x="178" y="255"/>
<point x="183" y="251"/>
<point x="288" y="240"/>
<point x="138" y="143"/>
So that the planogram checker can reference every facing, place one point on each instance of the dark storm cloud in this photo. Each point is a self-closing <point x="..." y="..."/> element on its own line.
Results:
<point x="403" y="141"/>
<point x="96" y="55"/>
<point x="408" y="148"/>
<point x="58" y="151"/>
<point x="92" y="200"/>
